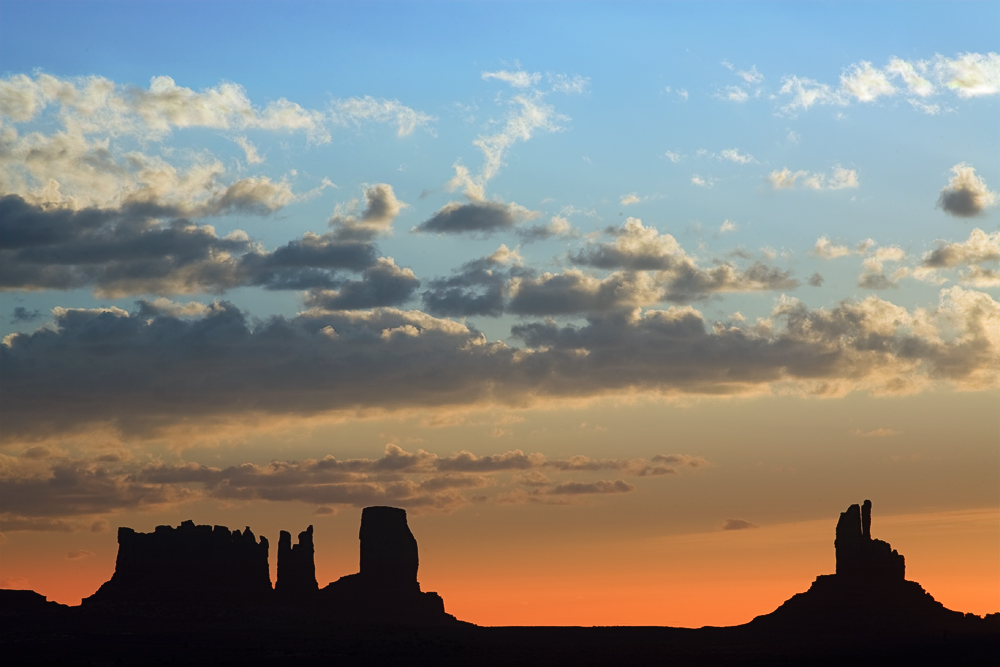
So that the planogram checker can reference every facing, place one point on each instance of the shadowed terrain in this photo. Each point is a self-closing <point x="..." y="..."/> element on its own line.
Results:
<point x="202" y="595"/>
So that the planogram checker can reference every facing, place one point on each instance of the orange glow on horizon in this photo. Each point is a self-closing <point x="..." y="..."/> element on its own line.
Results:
<point x="718" y="578"/>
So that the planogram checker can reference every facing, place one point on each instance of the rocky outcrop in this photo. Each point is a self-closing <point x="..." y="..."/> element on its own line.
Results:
<point x="188" y="565"/>
<point x="296" y="567"/>
<point x="386" y="588"/>
<point x="867" y="595"/>
<point x="858" y="555"/>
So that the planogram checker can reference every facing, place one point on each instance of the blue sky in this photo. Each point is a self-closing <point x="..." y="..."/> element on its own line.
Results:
<point x="241" y="233"/>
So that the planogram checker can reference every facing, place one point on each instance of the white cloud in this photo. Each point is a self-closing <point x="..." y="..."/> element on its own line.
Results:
<point x="727" y="226"/>
<point x="564" y="83"/>
<point x="971" y="74"/>
<point x="733" y="155"/>
<point x="736" y="94"/>
<point x="865" y="82"/>
<point x="253" y="157"/>
<point x="631" y="198"/>
<point x="839" y="178"/>
<point x="701" y="182"/>
<point x="517" y="79"/>
<point x="355" y="109"/>
<point x="673" y="156"/>
<point x="827" y="250"/>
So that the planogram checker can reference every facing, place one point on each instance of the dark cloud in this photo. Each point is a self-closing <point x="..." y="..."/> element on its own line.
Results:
<point x="140" y="374"/>
<point x="381" y="208"/>
<point x="966" y="195"/>
<point x="478" y="287"/>
<point x="737" y="524"/>
<point x="22" y="314"/>
<point x="601" y="486"/>
<point x="384" y="284"/>
<point x="128" y="251"/>
<point x="77" y="555"/>
<point x="51" y="497"/>
<point x="482" y="217"/>
<point x="816" y="280"/>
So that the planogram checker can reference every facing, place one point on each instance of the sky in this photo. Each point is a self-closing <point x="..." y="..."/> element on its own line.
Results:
<point x="624" y="303"/>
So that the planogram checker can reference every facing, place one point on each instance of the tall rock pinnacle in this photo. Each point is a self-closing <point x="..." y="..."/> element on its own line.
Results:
<point x="296" y="566"/>
<point x="388" y="549"/>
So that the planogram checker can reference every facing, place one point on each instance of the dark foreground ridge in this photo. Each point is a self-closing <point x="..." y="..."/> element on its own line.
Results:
<point x="201" y="595"/>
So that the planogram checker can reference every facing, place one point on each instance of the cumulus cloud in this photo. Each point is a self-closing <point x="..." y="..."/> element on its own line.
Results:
<point x="629" y="199"/>
<point x="125" y="251"/>
<point x="678" y="278"/>
<point x="557" y="226"/>
<point x="838" y="179"/>
<point x="478" y="217"/>
<point x="98" y="104"/>
<point x="383" y="284"/>
<point x="966" y="194"/>
<point x="381" y="209"/>
<point x="873" y="274"/>
<point x="479" y="287"/>
<point x="980" y="248"/>
<point x="224" y="366"/>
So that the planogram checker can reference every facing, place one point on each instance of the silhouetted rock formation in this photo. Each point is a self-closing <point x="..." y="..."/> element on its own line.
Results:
<point x="296" y="567"/>
<point x="858" y="555"/>
<point x="386" y="588"/>
<point x="868" y="594"/>
<point x="188" y="565"/>
<point x="17" y="602"/>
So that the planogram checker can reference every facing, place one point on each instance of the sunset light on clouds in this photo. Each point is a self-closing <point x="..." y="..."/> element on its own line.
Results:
<point x="622" y="302"/>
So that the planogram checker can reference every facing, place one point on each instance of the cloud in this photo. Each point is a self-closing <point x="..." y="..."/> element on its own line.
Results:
<point x="727" y="226"/>
<point x="557" y="226"/>
<point x="866" y="83"/>
<point x="737" y="524"/>
<point x="966" y="194"/>
<point x="702" y="182"/>
<point x="152" y="373"/>
<point x="479" y="287"/>
<point x="564" y="83"/>
<point x="839" y="178"/>
<point x="629" y="199"/>
<point x="22" y="314"/>
<point x="98" y="104"/>
<point x="816" y="280"/>
<point x="673" y="156"/>
<point x="978" y="249"/>
<point x="420" y="480"/>
<point x="970" y="74"/>
<point x="517" y="79"/>
<point x="733" y="155"/>
<point x="77" y="555"/>
<point x="601" y="486"/>
<point x="249" y="149"/>
<point x="678" y="278"/>
<point x="124" y="251"/>
<point x="480" y="217"/>
<point x="967" y="75"/>
<point x="381" y="209"/>
<point x="356" y="109"/>
<point x="383" y="284"/>
<point x="873" y="275"/>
